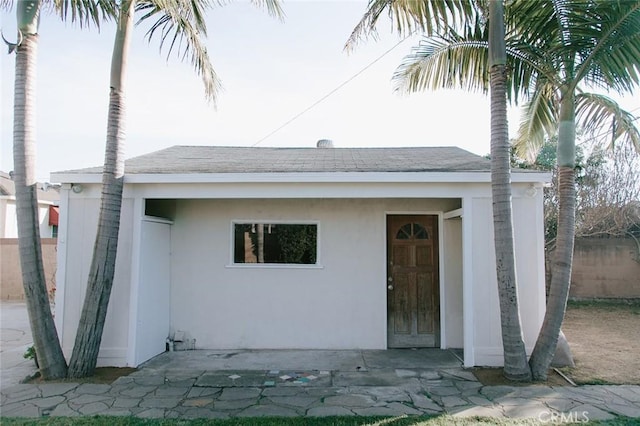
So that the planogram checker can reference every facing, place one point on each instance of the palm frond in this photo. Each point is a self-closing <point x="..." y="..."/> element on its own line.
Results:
<point x="530" y="22"/>
<point x="523" y="69"/>
<point x="409" y="16"/>
<point x="602" y="117"/>
<point x="442" y="64"/>
<point x="539" y="120"/>
<point x="273" y="8"/>
<point x="613" y="60"/>
<point x="181" y="24"/>
<point x="460" y="60"/>
<point x="86" y="12"/>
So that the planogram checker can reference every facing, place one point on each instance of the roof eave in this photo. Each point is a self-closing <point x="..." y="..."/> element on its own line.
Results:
<point x="306" y="177"/>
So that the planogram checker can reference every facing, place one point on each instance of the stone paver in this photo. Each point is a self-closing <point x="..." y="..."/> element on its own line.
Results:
<point x="372" y="390"/>
<point x="268" y="411"/>
<point x="331" y="410"/>
<point x="239" y="393"/>
<point x="294" y="401"/>
<point x="234" y="404"/>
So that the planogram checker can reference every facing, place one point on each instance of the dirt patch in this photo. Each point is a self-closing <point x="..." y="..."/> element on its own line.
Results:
<point x="605" y="341"/>
<point x="604" y="337"/>
<point x="102" y="375"/>
<point x="495" y="377"/>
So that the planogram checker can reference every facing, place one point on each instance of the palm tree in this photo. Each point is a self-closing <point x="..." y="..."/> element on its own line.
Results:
<point x="586" y="42"/>
<point x="514" y="351"/>
<point x="553" y="47"/>
<point x="181" y="23"/>
<point x="434" y="17"/>
<point x="50" y="357"/>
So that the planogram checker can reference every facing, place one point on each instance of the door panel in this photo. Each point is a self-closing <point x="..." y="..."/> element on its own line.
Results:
<point x="425" y="303"/>
<point x="154" y="291"/>
<point x="413" y="310"/>
<point x="424" y="256"/>
<point x="401" y="256"/>
<point x="402" y="308"/>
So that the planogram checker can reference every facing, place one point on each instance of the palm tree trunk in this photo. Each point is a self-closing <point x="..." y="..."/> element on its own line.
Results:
<point x="515" y="356"/>
<point x="260" y="231"/>
<point x="51" y="359"/>
<point x="547" y="341"/>
<point x="101" y="274"/>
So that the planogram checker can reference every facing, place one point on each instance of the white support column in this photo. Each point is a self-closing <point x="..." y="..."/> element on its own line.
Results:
<point x="61" y="259"/>
<point x="138" y="215"/>
<point x="467" y="282"/>
<point x="442" y="276"/>
<point x="540" y="238"/>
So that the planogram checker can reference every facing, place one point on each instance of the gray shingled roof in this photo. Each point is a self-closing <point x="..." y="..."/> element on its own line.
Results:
<point x="214" y="159"/>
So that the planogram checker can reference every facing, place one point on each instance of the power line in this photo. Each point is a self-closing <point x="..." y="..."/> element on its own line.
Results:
<point x="295" y="117"/>
<point x="344" y="83"/>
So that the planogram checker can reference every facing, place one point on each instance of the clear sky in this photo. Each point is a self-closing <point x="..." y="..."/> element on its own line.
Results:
<point x="271" y="71"/>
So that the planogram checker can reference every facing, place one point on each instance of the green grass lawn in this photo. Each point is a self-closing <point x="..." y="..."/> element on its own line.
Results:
<point x="295" y="421"/>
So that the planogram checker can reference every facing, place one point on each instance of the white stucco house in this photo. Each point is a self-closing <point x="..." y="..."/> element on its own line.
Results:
<point x="48" y="210"/>
<point x="305" y="248"/>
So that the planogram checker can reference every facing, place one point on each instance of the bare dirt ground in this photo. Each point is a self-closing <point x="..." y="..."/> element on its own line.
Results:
<point x="604" y="337"/>
<point x="103" y="375"/>
<point x="605" y="341"/>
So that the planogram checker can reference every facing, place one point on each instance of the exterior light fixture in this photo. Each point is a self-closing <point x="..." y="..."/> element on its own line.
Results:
<point x="531" y="191"/>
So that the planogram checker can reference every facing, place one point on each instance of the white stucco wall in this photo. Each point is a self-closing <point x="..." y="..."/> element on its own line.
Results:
<point x="339" y="304"/>
<point x="81" y="221"/>
<point x="453" y="309"/>
<point x="9" y="222"/>
<point x="530" y="276"/>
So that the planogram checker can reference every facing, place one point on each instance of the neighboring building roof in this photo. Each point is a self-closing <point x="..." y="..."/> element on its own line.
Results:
<point x="8" y="189"/>
<point x="213" y="159"/>
<point x="7" y="186"/>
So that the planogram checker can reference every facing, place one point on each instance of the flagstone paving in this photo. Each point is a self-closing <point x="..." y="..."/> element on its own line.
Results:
<point x="225" y="384"/>
<point x="186" y="394"/>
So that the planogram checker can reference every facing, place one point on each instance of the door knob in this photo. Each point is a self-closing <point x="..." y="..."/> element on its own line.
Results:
<point x="390" y="279"/>
<point x="390" y="287"/>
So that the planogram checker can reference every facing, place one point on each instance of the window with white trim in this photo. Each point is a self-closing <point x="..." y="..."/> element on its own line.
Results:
<point x="275" y="243"/>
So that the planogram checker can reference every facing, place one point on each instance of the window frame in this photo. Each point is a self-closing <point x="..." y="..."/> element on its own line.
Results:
<point x="233" y="264"/>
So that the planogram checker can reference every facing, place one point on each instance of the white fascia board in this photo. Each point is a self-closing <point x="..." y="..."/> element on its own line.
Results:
<point x="532" y="177"/>
<point x="70" y="178"/>
<point x="337" y="177"/>
<point x="346" y="177"/>
<point x="307" y="190"/>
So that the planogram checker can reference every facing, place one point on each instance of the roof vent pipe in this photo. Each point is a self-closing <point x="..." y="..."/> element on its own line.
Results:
<point x="324" y="143"/>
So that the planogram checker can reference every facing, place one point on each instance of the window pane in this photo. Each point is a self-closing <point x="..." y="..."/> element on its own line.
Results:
<point x="412" y="231"/>
<point x="275" y="243"/>
<point x="420" y="232"/>
<point x="404" y="233"/>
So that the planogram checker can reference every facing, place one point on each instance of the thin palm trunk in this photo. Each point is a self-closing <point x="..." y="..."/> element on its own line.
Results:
<point x="101" y="274"/>
<point x="515" y="356"/>
<point x="545" y="347"/>
<point x="51" y="359"/>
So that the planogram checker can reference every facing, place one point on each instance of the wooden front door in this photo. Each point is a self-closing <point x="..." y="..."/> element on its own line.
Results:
<point x="413" y="302"/>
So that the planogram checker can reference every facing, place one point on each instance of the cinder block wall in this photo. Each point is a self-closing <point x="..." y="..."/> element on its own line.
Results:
<point x="605" y="268"/>
<point x="11" y="273"/>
